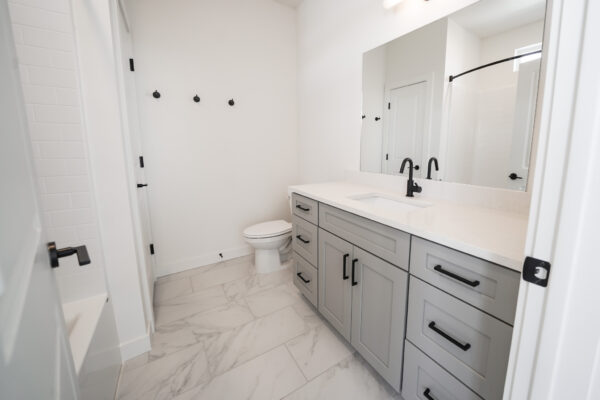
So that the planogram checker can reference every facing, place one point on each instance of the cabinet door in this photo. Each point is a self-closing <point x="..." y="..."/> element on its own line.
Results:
<point x="379" y="292"/>
<point x="334" y="281"/>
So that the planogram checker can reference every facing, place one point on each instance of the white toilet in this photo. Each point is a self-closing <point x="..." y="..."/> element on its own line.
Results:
<point x="267" y="238"/>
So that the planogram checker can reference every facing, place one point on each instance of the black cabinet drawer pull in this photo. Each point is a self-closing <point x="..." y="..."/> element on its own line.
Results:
<point x="426" y="394"/>
<point x="345" y="273"/>
<point x="459" y="278"/>
<point x="463" y="347"/>
<point x="354" y="283"/>
<point x="300" y="238"/>
<point x="301" y="277"/>
<point x="301" y="207"/>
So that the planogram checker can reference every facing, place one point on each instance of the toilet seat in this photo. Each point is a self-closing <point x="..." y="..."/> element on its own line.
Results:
<point x="268" y="229"/>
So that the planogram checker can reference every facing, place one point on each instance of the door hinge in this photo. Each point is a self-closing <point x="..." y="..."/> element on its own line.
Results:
<point x="151" y="248"/>
<point x="141" y="161"/>
<point x="131" y="65"/>
<point x="389" y="106"/>
<point x="387" y="157"/>
<point x="536" y="271"/>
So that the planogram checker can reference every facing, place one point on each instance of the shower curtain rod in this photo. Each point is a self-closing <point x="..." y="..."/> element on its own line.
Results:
<point x="453" y="77"/>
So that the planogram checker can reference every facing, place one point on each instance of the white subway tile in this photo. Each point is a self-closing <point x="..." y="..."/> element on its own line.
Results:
<point x="87" y="232"/>
<point x="17" y="34"/>
<point x="50" y="167"/>
<point x="64" y="60"/>
<point x="67" y="97"/>
<point x="61" y="6"/>
<point x="55" y="202"/>
<point x="62" y="150"/>
<point x="67" y="184"/>
<point x="70" y="217"/>
<point x="49" y="76"/>
<point x="59" y="114"/>
<point x="24" y="74"/>
<point x="76" y="166"/>
<point x="34" y="56"/>
<point x="39" y="94"/>
<point x="45" y="132"/>
<point x="72" y="132"/>
<point x="81" y="200"/>
<point x="33" y="16"/>
<point x="47" y="39"/>
<point x="62" y="236"/>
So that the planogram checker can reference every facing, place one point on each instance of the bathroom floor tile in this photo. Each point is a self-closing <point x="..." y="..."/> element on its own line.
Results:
<point x="168" y="290"/>
<point x="350" y="379"/>
<point x="269" y="376"/>
<point x="231" y="348"/>
<point x="166" y="377"/>
<point x="270" y="300"/>
<point x="257" y="283"/>
<point x="220" y="273"/>
<point x="317" y="350"/>
<point x="219" y="320"/>
<point x="185" y="306"/>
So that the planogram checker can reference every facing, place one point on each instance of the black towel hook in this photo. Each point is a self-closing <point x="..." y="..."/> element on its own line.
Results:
<point x="156" y="94"/>
<point x="196" y="99"/>
<point x="231" y="102"/>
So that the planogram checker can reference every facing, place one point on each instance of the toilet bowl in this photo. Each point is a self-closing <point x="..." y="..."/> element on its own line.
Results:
<point x="267" y="238"/>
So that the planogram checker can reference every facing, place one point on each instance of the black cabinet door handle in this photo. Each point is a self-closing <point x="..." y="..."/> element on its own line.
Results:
<point x="345" y="272"/>
<point x="463" y="347"/>
<point x="300" y="238"/>
<point x="426" y="394"/>
<point x="354" y="283"/>
<point x="514" y="177"/>
<point x="441" y="270"/>
<point x="301" y="207"/>
<point x="301" y="277"/>
<point x="141" y="185"/>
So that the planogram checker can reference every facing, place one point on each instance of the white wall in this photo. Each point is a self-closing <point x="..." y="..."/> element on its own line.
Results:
<point x="213" y="169"/>
<point x="332" y="37"/>
<point x="45" y="43"/>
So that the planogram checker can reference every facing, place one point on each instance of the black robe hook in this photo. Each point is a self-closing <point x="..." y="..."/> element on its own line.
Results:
<point x="156" y="95"/>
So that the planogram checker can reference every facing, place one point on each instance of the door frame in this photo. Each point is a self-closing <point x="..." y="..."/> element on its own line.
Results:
<point x="429" y="79"/>
<point x="549" y="356"/>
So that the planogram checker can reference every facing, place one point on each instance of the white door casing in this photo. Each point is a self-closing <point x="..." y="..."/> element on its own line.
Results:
<point x="406" y="127"/>
<point x="35" y="357"/>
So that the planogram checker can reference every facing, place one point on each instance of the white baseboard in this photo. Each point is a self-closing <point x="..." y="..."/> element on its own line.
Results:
<point x="200" y="261"/>
<point x="135" y="347"/>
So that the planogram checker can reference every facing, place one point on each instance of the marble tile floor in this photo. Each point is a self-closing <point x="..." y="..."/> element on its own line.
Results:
<point x="225" y="332"/>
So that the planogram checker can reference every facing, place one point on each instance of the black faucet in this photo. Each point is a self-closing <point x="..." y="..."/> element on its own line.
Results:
<point x="411" y="186"/>
<point x="435" y="163"/>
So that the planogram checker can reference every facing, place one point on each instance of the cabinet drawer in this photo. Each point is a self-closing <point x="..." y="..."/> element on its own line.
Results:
<point x="390" y="244"/>
<point x="305" y="208"/>
<point x="304" y="239"/>
<point x="470" y="344"/>
<point x="306" y="279"/>
<point x="487" y="286"/>
<point x="423" y="376"/>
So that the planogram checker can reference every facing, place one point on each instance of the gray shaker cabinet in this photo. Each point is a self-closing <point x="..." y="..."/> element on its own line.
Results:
<point x="378" y="312"/>
<point x="335" y="291"/>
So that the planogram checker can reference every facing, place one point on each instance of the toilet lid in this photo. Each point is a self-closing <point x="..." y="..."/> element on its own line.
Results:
<point x="268" y="229"/>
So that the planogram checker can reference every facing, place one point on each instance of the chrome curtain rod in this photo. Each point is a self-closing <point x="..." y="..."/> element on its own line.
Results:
<point x="453" y="77"/>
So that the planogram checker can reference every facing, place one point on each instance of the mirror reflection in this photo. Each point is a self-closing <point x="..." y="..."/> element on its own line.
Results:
<point x="457" y="96"/>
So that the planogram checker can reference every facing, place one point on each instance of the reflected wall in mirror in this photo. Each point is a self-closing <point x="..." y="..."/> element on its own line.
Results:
<point x="460" y="91"/>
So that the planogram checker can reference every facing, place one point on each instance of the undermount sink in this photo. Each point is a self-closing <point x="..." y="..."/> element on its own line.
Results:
<point x="381" y="201"/>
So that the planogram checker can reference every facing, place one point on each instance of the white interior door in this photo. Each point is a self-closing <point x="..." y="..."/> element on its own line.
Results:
<point x="520" y="153"/>
<point x="405" y="128"/>
<point x="35" y="357"/>
<point x="136" y="148"/>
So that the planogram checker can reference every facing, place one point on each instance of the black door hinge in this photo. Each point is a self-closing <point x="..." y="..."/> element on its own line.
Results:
<point x="151" y="248"/>
<point x="389" y="106"/>
<point x="141" y="161"/>
<point x="387" y="156"/>
<point x="536" y="271"/>
<point x="131" y="65"/>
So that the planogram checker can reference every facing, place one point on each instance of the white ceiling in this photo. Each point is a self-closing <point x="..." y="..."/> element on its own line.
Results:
<point x="489" y="17"/>
<point x="290" y="3"/>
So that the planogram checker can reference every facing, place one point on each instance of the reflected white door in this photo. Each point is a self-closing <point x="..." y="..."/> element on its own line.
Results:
<point x="405" y="128"/>
<point x="527" y="89"/>
<point x="136" y="148"/>
<point x="35" y="357"/>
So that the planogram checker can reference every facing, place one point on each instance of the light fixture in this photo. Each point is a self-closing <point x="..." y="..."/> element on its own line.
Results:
<point x="387" y="4"/>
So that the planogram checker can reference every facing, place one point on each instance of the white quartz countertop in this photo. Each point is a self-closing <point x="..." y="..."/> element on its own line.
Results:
<point x="493" y="235"/>
<point x="81" y="318"/>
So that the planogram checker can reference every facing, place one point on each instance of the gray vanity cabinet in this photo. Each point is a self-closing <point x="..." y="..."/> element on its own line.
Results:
<point x="335" y="290"/>
<point x="378" y="312"/>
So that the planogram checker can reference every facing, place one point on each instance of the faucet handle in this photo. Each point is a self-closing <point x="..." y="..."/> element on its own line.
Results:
<point x="417" y="188"/>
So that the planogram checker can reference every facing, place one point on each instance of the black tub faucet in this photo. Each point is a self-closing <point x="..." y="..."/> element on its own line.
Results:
<point x="435" y="163"/>
<point x="411" y="185"/>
